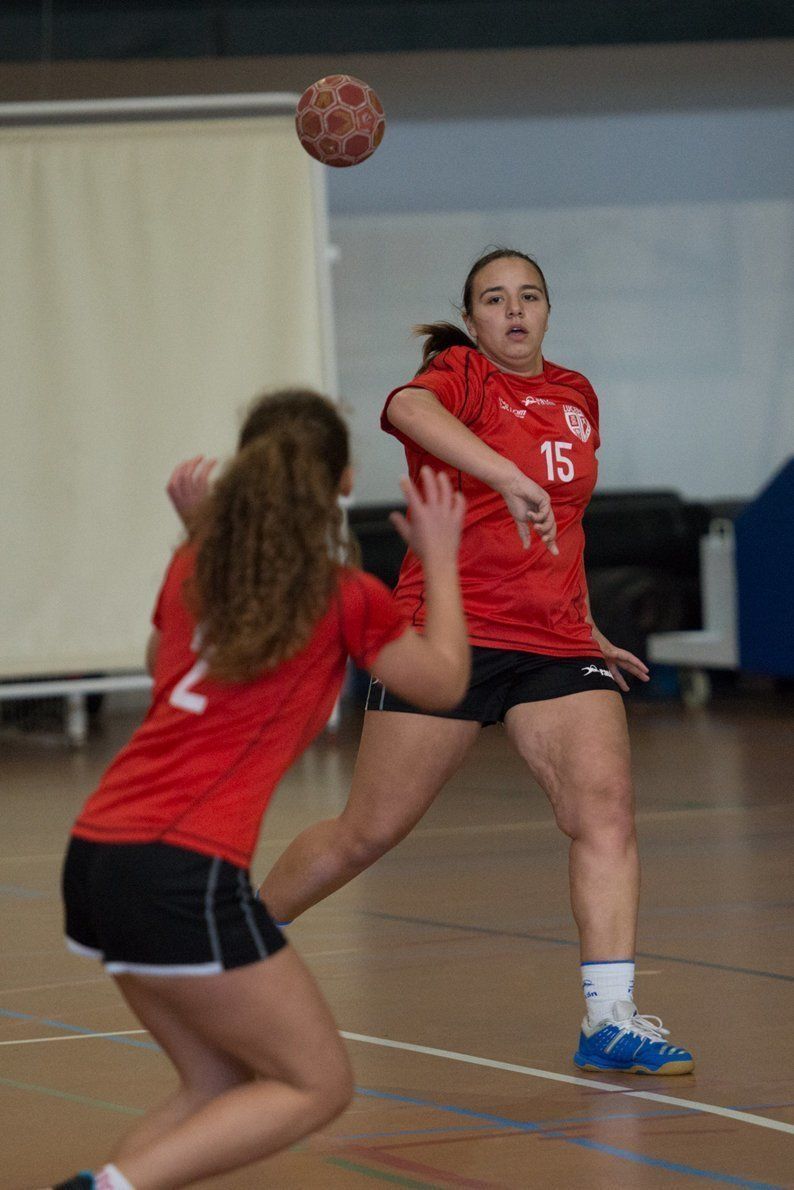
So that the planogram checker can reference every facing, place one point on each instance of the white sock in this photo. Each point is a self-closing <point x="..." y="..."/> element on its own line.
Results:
<point x="604" y="984"/>
<point x="111" y="1178"/>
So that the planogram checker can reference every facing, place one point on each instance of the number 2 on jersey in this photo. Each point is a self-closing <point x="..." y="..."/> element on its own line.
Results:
<point x="182" y="696"/>
<point x="558" y="465"/>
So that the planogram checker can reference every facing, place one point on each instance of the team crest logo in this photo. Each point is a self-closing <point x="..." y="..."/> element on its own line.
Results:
<point x="577" y="422"/>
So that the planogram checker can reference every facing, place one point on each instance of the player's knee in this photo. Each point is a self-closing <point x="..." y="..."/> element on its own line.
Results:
<point x="341" y="1094"/>
<point x="364" y="844"/>
<point x="609" y="813"/>
<point x="601" y="813"/>
<point x="208" y="1084"/>
<point x="333" y="1088"/>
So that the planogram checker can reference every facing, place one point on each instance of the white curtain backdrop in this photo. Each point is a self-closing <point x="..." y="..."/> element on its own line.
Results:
<point x="155" y="277"/>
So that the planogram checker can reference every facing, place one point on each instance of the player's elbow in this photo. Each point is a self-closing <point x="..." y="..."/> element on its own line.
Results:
<point x="446" y="683"/>
<point x="404" y="406"/>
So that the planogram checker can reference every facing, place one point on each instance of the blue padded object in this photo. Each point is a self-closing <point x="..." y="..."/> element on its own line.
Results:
<point x="765" y="578"/>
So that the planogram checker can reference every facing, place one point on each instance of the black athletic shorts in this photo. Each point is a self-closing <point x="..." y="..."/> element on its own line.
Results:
<point x="503" y="678"/>
<point x="154" y="909"/>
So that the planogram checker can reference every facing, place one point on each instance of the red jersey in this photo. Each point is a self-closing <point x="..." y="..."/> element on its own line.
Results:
<point x="199" y="771"/>
<point x="548" y="426"/>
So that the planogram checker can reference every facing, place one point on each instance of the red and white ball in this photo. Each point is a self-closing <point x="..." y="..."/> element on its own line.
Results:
<point x="340" y="120"/>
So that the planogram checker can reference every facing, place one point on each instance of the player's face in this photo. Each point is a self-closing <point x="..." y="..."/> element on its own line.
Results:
<point x="509" y="315"/>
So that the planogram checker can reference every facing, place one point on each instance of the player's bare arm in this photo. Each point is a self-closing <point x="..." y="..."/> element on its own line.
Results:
<point x="617" y="659"/>
<point x="417" y="413"/>
<point x="433" y="669"/>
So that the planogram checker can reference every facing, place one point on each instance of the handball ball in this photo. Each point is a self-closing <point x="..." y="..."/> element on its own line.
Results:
<point x="339" y="120"/>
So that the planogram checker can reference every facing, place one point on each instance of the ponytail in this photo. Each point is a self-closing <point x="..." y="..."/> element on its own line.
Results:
<point x="438" y="337"/>
<point x="270" y="541"/>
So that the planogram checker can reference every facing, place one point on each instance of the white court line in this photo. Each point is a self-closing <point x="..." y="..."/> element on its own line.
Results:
<point x="69" y="983"/>
<point x="73" y="1037"/>
<point x="742" y="1117"/>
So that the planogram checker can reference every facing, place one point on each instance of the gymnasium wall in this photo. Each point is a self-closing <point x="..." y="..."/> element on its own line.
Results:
<point x="667" y="237"/>
<point x="655" y="183"/>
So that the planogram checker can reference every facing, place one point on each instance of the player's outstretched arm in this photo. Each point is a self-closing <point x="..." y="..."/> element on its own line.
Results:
<point x="418" y="414"/>
<point x="431" y="670"/>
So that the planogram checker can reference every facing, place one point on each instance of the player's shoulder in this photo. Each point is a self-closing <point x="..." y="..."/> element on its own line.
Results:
<point x="357" y="587"/>
<point x="463" y="373"/>
<point x="567" y="377"/>
<point x="364" y="602"/>
<point x="574" y="381"/>
<point x="463" y="361"/>
<point x="181" y="565"/>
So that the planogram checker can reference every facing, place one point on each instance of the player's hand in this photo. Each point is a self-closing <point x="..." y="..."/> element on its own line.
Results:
<point x="188" y="486"/>
<point x="437" y="512"/>
<point x="618" y="659"/>
<point x="530" y="507"/>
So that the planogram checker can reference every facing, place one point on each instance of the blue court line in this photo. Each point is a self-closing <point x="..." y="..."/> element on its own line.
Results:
<point x="468" y="1113"/>
<point x="670" y="1113"/>
<point x="492" y="931"/>
<point x="671" y="1166"/>
<point x="40" y="1020"/>
<point x="583" y="1142"/>
<point x="19" y="893"/>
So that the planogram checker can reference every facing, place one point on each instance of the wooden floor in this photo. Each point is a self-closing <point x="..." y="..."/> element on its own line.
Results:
<point x="452" y="970"/>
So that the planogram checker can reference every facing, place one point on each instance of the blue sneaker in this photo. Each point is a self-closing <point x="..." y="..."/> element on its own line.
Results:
<point x="630" y="1042"/>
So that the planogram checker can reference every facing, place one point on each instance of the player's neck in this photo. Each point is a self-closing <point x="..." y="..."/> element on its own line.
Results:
<point x="533" y="367"/>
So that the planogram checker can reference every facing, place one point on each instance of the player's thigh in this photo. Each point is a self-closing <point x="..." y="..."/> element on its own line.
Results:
<point x="577" y="748"/>
<point x="403" y="762"/>
<point x="200" y="1064"/>
<point x="269" y="1016"/>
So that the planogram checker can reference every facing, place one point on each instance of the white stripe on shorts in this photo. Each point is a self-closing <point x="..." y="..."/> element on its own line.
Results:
<point x="88" y="952"/>
<point x="261" y="949"/>
<point x="120" y="968"/>
<point x="162" y="969"/>
<point x="209" y="911"/>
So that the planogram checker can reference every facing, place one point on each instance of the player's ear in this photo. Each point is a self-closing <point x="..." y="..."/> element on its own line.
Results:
<point x="346" y="482"/>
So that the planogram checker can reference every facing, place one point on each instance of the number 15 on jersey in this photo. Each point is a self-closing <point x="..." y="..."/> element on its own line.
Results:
<point x="558" y="464"/>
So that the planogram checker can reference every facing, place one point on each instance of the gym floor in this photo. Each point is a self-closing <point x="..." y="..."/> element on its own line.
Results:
<point x="452" y="969"/>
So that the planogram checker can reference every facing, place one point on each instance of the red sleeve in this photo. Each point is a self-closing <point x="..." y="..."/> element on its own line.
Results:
<point x="177" y="571"/>
<point x="580" y="384"/>
<point x="157" y="614"/>
<point x="369" y="616"/>
<point x="588" y="392"/>
<point x="455" y="378"/>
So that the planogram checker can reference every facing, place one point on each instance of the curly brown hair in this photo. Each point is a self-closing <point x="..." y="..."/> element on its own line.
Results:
<point x="270" y="538"/>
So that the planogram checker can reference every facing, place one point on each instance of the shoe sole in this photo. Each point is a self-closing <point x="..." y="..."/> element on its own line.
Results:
<point x="684" y="1066"/>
